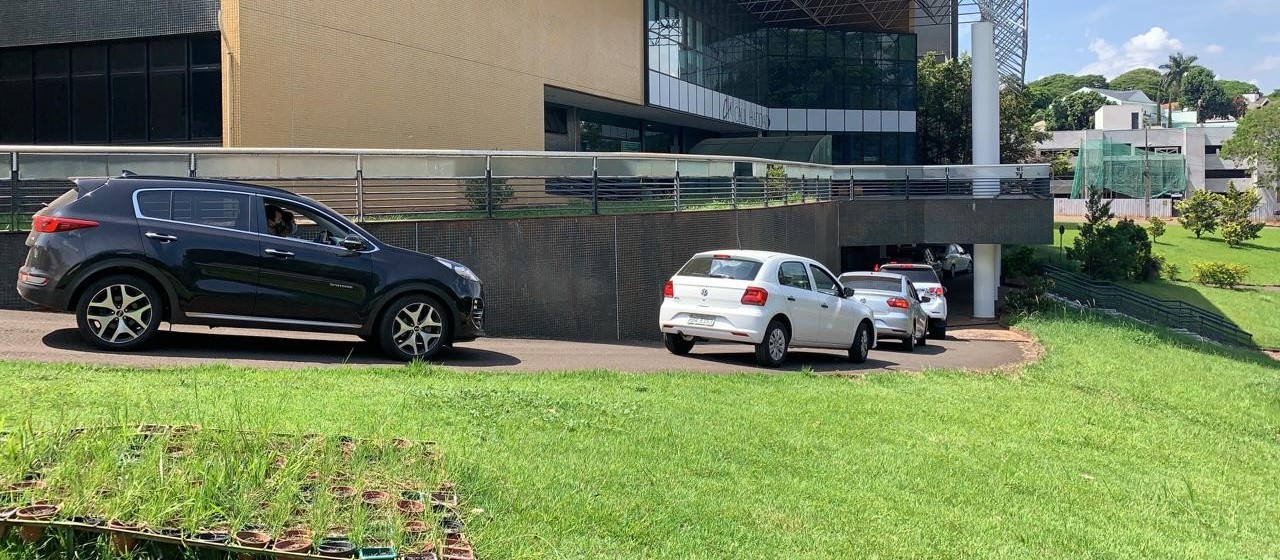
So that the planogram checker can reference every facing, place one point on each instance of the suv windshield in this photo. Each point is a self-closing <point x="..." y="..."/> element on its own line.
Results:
<point x="916" y="275"/>
<point x="721" y="267"/>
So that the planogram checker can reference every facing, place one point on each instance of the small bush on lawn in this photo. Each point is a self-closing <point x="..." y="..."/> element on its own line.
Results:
<point x="1120" y="251"/>
<point x="1021" y="263"/>
<point x="1155" y="227"/>
<point x="1030" y="300"/>
<point x="1200" y="213"/>
<point x="477" y="193"/>
<point x="1219" y="274"/>
<point x="1170" y="271"/>
<point x="1236" y="225"/>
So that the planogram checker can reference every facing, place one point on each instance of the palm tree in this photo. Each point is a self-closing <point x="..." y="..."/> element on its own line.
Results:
<point x="1177" y="67"/>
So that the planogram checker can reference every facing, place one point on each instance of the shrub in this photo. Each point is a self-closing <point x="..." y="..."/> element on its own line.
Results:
<point x="775" y="181"/>
<point x="476" y="191"/>
<point x="1020" y="263"/>
<point x="1200" y="213"/>
<point x="1170" y="271"/>
<point x="1220" y="274"/>
<point x="1031" y="299"/>
<point x="1155" y="227"/>
<point x="1236" y="225"/>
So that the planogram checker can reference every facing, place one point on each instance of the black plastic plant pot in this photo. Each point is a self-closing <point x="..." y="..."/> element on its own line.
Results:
<point x="451" y="524"/>
<point x="213" y="538"/>
<point x="336" y="548"/>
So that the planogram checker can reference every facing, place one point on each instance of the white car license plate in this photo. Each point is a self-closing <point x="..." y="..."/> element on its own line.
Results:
<point x="702" y="320"/>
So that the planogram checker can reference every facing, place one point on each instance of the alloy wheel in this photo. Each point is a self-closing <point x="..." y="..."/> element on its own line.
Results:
<point x="418" y="329"/>
<point x="777" y="345"/>
<point x="119" y="313"/>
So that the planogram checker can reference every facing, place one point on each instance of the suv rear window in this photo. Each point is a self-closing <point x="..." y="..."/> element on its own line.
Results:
<point x="917" y="275"/>
<point x="731" y="268"/>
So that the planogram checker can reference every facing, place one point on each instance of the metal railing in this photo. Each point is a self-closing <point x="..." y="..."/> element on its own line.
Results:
<point x="1167" y="313"/>
<point x="372" y="185"/>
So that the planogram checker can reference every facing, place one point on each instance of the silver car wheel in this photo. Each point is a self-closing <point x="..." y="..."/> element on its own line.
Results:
<point x="119" y="313"/>
<point x="777" y="345"/>
<point x="418" y="329"/>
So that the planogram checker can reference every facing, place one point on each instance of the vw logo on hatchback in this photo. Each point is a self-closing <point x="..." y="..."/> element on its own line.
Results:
<point x="704" y="292"/>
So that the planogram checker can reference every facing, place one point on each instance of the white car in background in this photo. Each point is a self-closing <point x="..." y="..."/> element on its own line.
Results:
<point x="894" y="302"/>
<point x="774" y="301"/>
<point x="927" y="285"/>
<point x="952" y="259"/>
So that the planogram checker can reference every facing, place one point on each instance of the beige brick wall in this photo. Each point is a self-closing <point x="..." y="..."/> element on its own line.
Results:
<point x="419" y="73"/>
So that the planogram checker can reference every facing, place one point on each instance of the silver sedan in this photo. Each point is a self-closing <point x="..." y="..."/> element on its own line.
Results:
<point x="893" y="300"/>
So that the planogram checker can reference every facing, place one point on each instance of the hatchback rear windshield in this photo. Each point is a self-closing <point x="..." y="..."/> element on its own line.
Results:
<point x="872" y="283"/>
<point x="724" y="267"/>
<point x="915" y="275"/>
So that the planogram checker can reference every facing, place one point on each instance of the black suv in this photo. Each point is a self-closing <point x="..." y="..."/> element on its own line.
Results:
<point x="126" y="253"/>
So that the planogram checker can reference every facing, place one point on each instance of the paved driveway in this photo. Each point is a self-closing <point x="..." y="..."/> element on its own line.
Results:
<point x="50" y="337"/>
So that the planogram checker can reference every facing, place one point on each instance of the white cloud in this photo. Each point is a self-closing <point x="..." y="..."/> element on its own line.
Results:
<point x="1214" y="49"/>
<point x="1147" y="50"/>
<point x="1268" y="64"/>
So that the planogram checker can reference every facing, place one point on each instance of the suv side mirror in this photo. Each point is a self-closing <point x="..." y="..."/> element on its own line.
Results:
<point x="847" y="292"/>
<point x="352" y="242"/>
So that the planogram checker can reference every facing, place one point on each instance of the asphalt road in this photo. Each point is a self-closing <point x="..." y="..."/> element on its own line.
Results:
<point x="52" y="337"/>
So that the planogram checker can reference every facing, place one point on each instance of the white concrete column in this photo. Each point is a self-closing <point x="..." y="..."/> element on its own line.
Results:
<point x="986" y="151"/>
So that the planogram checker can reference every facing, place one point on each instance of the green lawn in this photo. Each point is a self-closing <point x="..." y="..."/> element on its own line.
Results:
<point x="1119" y="444"/>
<point x="1181" y="247"/>
<point x="1256" y="310"/>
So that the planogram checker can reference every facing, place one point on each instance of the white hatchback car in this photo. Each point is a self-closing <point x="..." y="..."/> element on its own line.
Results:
<point x="771" y="300"/>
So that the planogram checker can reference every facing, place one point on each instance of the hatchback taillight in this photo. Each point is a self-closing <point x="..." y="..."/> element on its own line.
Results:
<point x="668" y="290"/>
<point x="898" y="303"/>
<point x="937" y="291"/>
<point x="54" y="224"/>
<point x="755" y="296"/>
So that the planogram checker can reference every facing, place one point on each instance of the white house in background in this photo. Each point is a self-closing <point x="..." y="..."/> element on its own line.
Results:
<point x="1128" y="97"/>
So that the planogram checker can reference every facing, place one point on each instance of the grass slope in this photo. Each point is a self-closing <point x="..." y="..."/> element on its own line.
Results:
<point x="1119" y="444"/>
<point x="1180" y="246"/>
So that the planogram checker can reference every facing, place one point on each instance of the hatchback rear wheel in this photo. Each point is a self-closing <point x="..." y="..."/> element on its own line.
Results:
<point x="415" y="327"/>
<point x="772" y="351"/>
<point x="677" y="344"/>
<point x="120" y="312"/>
<point x="861" y="345"/>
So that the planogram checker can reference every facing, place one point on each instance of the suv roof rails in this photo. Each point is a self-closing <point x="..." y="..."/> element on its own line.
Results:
<point x="127" y="173"/>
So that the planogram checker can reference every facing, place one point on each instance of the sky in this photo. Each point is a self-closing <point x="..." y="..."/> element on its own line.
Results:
<point x="1237" y="39"/>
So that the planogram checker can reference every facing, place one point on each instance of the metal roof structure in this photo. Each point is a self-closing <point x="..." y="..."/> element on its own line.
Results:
<point x="1009" y="17"/>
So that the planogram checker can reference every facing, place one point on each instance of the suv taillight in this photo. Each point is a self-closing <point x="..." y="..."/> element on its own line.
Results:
<point x="937" y="291"/>
<point x="898" y="303"/>
<point x="755" y="296"/>
<point x="54" y="224"/>
<point x="668" y="289"/>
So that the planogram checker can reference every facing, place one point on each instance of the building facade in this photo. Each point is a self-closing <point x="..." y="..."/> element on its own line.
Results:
<point x="590" y="75"/>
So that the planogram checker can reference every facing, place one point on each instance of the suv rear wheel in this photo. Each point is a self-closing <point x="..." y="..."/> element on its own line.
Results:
<point x="120" y="312"/>
<point x="415" y="327"/>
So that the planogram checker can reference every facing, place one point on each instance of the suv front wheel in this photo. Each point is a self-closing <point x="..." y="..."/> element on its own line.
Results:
<point x="415" y="327"/>
<point x="120" y="312"/>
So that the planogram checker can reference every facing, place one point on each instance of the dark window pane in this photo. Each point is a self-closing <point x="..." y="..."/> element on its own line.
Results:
<point x="155" y="204"/>
<point x="205" y="49"/>
<point x="15" y="64"/>
<point x="206" y="104"/>
<point x="89" y="109"/>
<point x="128" y="108"/>
<point x="794" y="275"/>
<point x="721" y="267"/>
<point x="168" y="53"/>
<point x="128" y="57"/>
<point x="218" y="209"/>
<point x="52" y="115"/>
<point x="90" y="59"/>
<point x="17" y="117"/>
<point x="51" y="61"/>
<point x="555" y="120"/>
<point x="167" y="107"/>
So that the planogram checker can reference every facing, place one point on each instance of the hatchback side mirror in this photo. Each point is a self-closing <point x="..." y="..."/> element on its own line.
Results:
<point x="847" y="292"/>
<point x="352" y="242"/>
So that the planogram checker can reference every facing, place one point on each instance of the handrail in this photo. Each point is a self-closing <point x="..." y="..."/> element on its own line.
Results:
<point x="1168" y="313"/>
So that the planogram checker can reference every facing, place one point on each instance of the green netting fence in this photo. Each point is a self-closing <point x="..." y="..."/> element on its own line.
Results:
<point x="1122" y="170"/>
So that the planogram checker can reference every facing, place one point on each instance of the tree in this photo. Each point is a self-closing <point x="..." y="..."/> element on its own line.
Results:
<point x="1075" y="111"/>
<point x="1145" y="79"/>
<point x="945" y="121"/>
<point x="1045" y="91"/>
<point x="1237" y="88"/>
<point x="1177" y="67"/>
<point x="1110" y="252"/>
<point x="1256" y="143"/>
<point x="1018" y="136"/>
<point x="1275" y="94"/>
<point x="1200" y="90"/>
<point x="1200" y="213"/>
<point x="1236" y="207"/>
